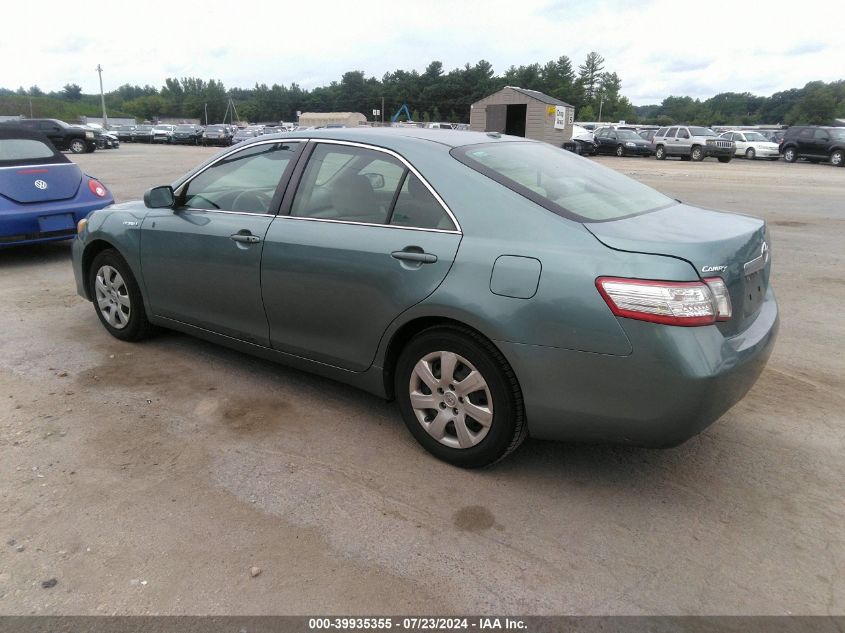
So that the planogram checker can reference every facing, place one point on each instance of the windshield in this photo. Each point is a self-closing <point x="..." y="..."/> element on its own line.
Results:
<point x="562" y="182"/>
<point x="163" y="128"/>
<point x="184" y="128"/>
<point x="215" y="128"/>
<point x="755" y="136"/>
<point x="144" y="128"/>
<point x="701" y="131"/>
<point x="628" y="135"/>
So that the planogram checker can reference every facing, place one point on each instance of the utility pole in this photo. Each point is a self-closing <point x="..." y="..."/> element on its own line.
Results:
<point x="601" y="103"/>
<point x="206" y="114"/>
<point x="103" y="98"/>
<point x="30" y="106"/>
<point x="382" y="111"/>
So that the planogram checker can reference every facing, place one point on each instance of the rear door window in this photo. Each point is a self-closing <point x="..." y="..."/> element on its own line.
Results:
<point x="346" y="183"/>
<point x="672" y="133"/>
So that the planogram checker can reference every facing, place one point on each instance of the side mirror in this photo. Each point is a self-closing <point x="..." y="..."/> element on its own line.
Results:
<point x="376" y="180"/>
<point x="159" y="197"/>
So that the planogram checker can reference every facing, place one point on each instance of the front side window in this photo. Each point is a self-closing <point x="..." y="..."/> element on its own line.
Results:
<point x="348" y="183"/>
<point x="683" y="133"/>
<point x="561" y="182"/>
<point x="821" y="135"/>
<point x="245" y="181"/>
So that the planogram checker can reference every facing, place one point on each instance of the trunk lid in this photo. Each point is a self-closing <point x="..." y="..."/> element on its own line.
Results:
<point x="716" y="244"/>
<point x="40" y="183"/>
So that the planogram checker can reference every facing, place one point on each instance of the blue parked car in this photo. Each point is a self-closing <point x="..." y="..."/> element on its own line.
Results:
<point x="42" y="194"/>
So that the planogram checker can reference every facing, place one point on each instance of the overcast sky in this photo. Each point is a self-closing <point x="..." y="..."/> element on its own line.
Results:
<point x="658" y="47"/>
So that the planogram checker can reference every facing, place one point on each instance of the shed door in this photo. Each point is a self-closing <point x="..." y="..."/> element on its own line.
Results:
<point x="497" y="116"/>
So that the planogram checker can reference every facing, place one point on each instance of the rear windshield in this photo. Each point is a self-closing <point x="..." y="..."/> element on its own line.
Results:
<point x="184" y="128"/>
<point x="18" y="149"/>
<point x="215" y="128"/>
<point x="562" y="182"/>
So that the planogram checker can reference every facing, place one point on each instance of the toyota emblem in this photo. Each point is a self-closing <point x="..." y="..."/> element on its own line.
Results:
<point x="40" y="184"/>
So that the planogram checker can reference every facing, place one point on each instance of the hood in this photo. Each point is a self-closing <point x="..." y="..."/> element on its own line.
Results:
<point x="40" y="183"/>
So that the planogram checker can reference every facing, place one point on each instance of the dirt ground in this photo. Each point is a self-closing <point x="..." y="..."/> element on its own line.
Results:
<point x="151" y="478"/>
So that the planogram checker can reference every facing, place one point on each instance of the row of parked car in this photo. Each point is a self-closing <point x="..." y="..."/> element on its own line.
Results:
<point x="192" y="134"/>
<point x="689" y="142"/>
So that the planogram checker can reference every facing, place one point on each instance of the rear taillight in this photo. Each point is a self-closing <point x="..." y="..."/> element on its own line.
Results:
<point x="97" y="189"/>
<point x="684" y="303"/>
<point x="721" y="297"/>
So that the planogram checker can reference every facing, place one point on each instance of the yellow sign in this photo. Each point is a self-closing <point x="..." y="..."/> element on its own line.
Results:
<point x="550" y="111"/>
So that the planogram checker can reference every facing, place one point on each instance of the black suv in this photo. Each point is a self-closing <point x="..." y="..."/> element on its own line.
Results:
<point x="188" y="133"/>
<point x="814" y="143"/>
<point x="62" y="135"/>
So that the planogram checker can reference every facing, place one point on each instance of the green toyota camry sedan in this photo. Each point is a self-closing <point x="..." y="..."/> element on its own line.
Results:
<point x="495" y="287"/>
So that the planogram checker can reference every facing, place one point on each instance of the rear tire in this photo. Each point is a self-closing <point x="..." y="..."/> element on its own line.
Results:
<point x="117" y="297"/>
<point x="790" y="155"/>
<point x="660" y="153"/>
<point x="837" y="158"/>
<point x="476" y="415"/>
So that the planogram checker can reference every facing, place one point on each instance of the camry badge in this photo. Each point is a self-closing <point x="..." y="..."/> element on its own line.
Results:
<point x="713" y="269"/>
<point x="40" y="184"/>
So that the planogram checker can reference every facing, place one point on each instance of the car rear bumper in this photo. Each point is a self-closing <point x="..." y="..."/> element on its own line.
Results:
<point x="29" y="226"/>
<point x="675" y="384"/>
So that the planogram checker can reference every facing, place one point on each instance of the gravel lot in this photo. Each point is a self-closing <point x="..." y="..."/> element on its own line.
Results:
<point x="151" y="478"/>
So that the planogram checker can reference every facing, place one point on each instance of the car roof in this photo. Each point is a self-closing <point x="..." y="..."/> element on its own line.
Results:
<point x="394" y="138"/>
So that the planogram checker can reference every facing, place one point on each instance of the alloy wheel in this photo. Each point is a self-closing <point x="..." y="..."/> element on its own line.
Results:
<point x="837" y="158"/>
<point x="451" y="399"/>
<point x="112" y="297"/>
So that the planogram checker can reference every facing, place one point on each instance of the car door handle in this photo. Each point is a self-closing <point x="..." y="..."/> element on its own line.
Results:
<point x="245" y="237"/>
<point x="414" y="256"/>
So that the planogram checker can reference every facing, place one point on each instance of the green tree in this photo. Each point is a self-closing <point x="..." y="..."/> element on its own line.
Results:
<point x="589" y="74"/>
<point x="72" y="92"/>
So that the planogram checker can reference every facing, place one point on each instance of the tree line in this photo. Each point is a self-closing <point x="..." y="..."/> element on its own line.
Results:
<point x="433" y="95"/>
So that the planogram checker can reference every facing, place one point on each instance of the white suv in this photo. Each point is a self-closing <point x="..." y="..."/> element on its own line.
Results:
<point x="691" y="142"/>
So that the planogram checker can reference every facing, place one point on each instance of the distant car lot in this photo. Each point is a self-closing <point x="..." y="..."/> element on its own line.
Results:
<point x="207" y="462"/>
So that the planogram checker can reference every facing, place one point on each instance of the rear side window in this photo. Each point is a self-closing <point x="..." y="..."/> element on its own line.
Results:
<point x="352" y="184"/>
<point x="661" y="132"/>
<point x="672" y="133"/>
<point x="416" y="207"/>
<point x="561" y="182"/>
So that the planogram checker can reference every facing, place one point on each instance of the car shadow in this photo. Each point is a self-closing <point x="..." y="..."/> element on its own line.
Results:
<point x="34" y="254"/>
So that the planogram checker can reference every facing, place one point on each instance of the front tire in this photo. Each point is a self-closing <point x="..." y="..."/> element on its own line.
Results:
<point x="620" y="151"/>
<point x="459" y="397"/>
<point x="697" y="154"/>
<point x="750" y="154"/>
<point x="790" y="155"/>
<point x="77" y="146"/>
<point x="117" y="297"/>
<point x="837" y="158"/>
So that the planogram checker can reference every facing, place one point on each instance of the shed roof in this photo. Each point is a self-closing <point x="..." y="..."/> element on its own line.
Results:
<point x="540" y="96"/>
